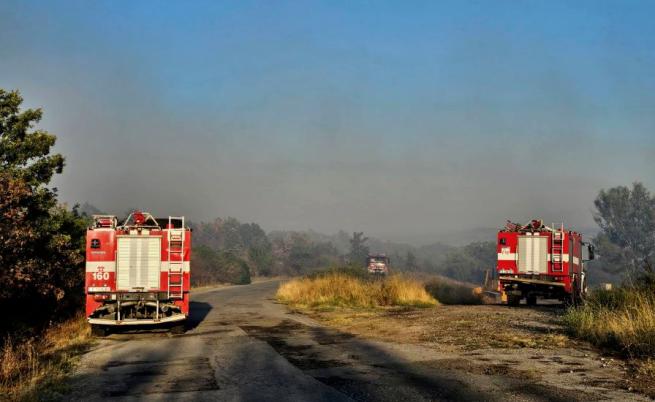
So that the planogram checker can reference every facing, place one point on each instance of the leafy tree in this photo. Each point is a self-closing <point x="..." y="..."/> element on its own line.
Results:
<point x="358" y="248"/>
<point x="233" y="268"/>
<point x="211" y="266"/>
<point x="627" y="220"/>
<point x="41" y="243"/>
<point x="300" y="254"/>
<point x="468" y="263"/>
<point x="246" y="241"/>
<point x="484" y="254"/>
<point x="461" y="266"/>
<point x="24" y="152"/>
<point x="232" y="235"/>
<point x="259" y="249"/>
<point x="410" y="262"/>
<point x="209" y="234"/>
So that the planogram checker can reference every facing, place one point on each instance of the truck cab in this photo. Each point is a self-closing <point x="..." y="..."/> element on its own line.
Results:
<point x="378" y="264"/>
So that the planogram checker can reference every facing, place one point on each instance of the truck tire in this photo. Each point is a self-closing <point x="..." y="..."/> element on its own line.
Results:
<point x="573" y="300"/>
<point x="99" y="330"/>
<point x="513" y="300"/>
<point x="569" y="301"/>
<point x="531" y="300"/>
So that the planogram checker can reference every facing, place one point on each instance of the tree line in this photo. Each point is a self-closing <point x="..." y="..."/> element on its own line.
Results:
<point x="42" y="240"/>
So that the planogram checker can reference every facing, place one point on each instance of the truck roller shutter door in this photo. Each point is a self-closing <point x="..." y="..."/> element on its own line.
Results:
<point x="533" y="254"/>
<point x="525" y="254"/>
<point x="138" y="262"/>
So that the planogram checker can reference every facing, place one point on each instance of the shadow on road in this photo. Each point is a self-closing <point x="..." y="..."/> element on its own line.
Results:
<point x="197" y="313"/>
<point x="365" y="371"/>
<point x="238" y="366"/>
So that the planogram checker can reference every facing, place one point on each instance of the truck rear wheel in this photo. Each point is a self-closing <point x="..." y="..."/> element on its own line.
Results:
<point x="513" y="300"/>
<point x="99" y="330"/>
<point x="531" y="300"/>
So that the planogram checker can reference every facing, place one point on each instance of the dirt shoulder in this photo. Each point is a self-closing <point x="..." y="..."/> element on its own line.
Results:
<point x="526" y="347"/>
<point x="214" y="286"/>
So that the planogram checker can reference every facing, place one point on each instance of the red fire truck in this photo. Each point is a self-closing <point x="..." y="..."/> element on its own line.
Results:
<point x="535" y="260"/>
<point x="378" y="264"/>
<point x="137" y="273"/>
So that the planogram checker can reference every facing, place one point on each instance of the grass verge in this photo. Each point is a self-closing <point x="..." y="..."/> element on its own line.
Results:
<point x="34" y="369"/>
<point x="621" y="320"/>
<point x="340" y="289"/>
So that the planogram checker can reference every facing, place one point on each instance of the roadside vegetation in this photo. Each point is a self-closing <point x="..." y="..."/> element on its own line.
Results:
<point x="343" y="289"/>
<point x="42" y="266"/>
<point x="34" y="368"/>
<point x="41" y="260"/>
<point x="448" y="291"/>
<point x="623" y="319"/>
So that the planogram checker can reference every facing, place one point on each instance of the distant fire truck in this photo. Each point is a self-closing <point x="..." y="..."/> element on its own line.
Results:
<point x="535" y="260"/>
<point x="378" y="264"/>
<point x="137" y="273"/>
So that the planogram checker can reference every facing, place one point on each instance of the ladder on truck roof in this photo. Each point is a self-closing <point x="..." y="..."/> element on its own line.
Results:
<point x="176" y="237"/>
<point x="557" y="249"/>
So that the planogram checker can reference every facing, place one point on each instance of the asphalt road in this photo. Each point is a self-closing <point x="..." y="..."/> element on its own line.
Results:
<point x="242" y="346"/>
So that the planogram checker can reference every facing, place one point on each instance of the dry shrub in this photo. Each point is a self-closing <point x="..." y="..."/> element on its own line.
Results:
<point x="623" y="319"/>
<point x="341" y="289"/>
<point x="452" y="292"/>
<point x="32" y="369"/>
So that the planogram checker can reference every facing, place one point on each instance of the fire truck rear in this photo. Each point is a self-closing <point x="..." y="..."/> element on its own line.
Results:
<point x="535" y="260"/>
<point x="137" y="273"/>
<point x="378" y="264"/>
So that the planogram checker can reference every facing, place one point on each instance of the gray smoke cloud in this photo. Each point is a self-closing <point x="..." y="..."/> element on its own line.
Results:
<point x="464" y="138"/>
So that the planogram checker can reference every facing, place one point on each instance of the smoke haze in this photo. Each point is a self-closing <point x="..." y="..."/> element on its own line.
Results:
<point x="399" y="119"/>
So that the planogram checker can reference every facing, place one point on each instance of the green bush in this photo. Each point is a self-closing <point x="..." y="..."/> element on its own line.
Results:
<point x="210" y="266"/>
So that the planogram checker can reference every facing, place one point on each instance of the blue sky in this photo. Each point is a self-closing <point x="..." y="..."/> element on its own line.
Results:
<point x="397" y="118"/>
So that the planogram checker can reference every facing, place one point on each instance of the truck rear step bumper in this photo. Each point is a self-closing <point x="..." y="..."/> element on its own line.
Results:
<point x="530" y="281"/>
<point x="137" y="321"/>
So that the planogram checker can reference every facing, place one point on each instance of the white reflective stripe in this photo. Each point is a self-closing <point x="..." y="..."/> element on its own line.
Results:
<point x="110" y="266"/>
<point x="186" y="266"/>
<point x="94" y="266"/>
<point x="506" y="256"/>
<point x="576" y="260"/>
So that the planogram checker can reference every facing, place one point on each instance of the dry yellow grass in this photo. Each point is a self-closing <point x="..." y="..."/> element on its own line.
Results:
<point x="33" y="369"/>
<point x="338" y="289"/>
<point x="624" y="319"/>
<point x="452" y="292"/>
